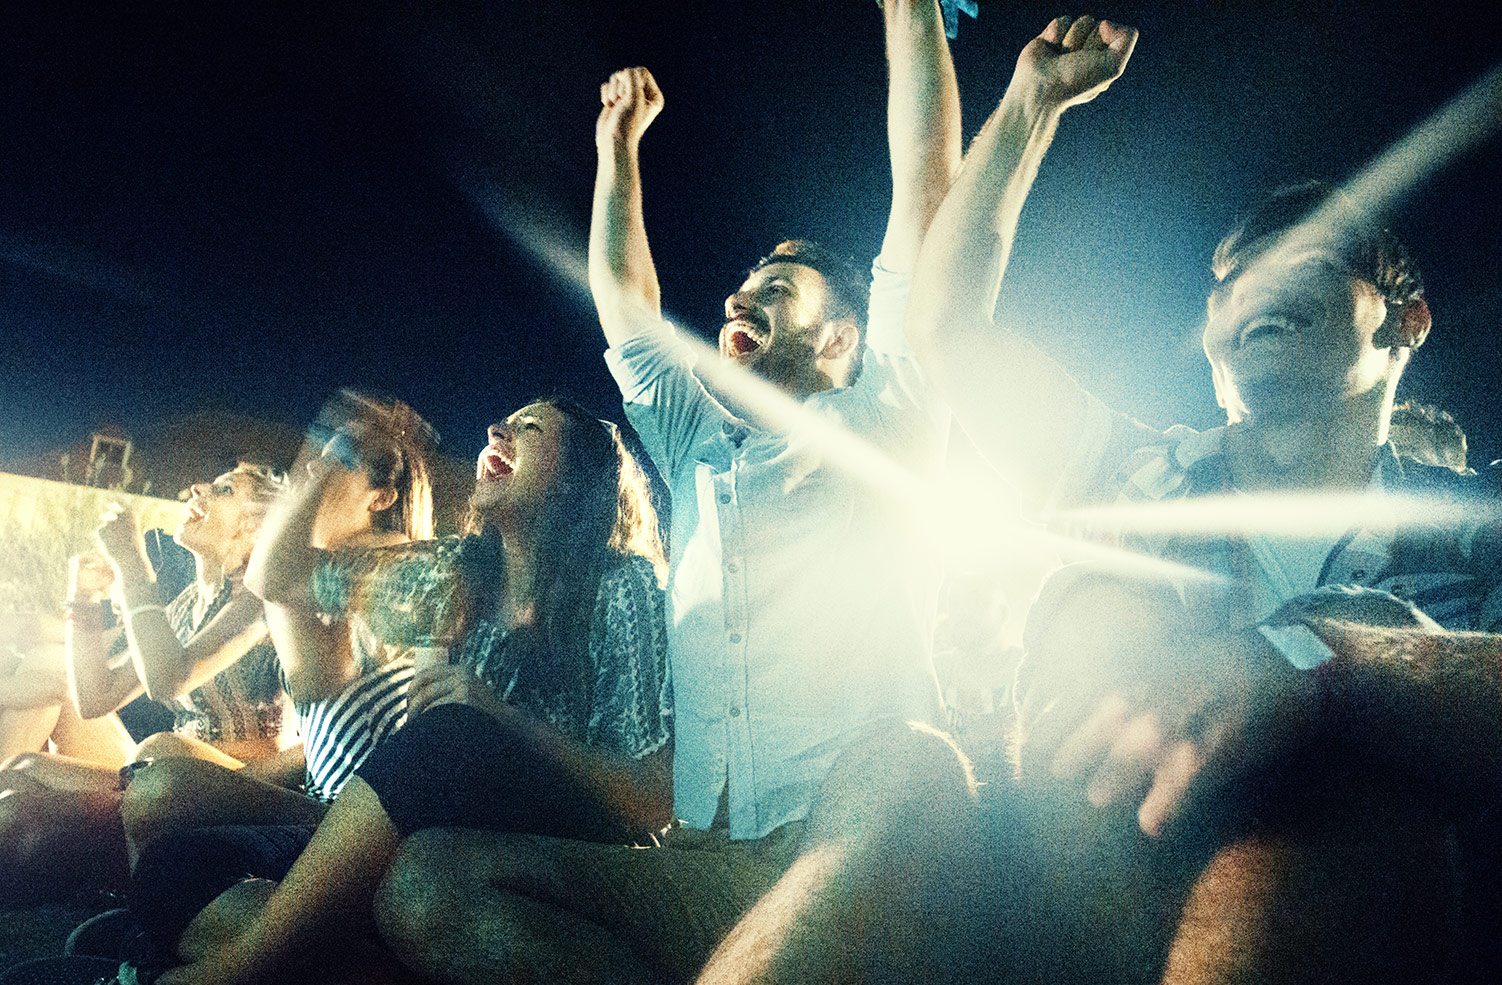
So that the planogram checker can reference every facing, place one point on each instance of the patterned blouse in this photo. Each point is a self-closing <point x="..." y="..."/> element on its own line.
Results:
<point x="411" y="596"/>
<point x="244" y="701"/>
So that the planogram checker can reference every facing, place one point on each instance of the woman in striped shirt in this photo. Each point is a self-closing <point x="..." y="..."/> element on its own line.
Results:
<point x="548" y="713"/>
<point x="367" y="491"/>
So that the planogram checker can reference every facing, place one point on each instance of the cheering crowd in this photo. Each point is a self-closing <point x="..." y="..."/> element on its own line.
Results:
<point x="573" y="745"/>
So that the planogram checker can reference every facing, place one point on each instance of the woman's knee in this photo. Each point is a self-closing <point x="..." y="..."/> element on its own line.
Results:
<point x="162" y="745"/>
<point x="163" y="797"/>
<point x="410" y="903"/>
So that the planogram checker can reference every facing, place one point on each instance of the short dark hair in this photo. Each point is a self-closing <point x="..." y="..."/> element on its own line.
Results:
<point x="849" y="285"/>
<point x="1368" y="247"/>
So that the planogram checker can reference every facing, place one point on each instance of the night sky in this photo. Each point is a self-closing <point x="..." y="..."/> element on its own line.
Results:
<point x="241" y="206"/>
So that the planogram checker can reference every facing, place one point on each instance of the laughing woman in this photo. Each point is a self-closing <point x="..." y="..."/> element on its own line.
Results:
<point x="206" y="653"/>
<point x="369" y="490"/>
<point x="548" y="714"/>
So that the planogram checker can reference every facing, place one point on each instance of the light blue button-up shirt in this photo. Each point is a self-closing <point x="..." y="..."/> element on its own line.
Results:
<point x="801" y="599"/>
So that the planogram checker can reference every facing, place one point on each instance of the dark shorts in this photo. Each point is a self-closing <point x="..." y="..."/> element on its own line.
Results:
<point x="456" y="766"/>
<point x="177" y="876"/>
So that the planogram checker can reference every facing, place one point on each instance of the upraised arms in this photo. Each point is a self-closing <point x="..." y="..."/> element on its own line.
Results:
<point x="161" y="665"/>
<point x="923" y="125"/>
<point x="622" y="277"/>
<point x="1020" y="406"/>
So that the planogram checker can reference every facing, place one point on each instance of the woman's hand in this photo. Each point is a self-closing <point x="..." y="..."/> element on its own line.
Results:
<point x="90" y="577"/>
<point x="447" y="684"/>
<point x="119" y="537"/>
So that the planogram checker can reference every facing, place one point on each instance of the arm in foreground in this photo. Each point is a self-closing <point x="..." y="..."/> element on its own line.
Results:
<point x="1020" y="406"/>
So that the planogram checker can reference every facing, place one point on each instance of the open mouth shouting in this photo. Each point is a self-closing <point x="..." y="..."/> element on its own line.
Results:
<point x="742" y="336"/>
<point x="497" y="462"/>
<point x="197" y="510"/>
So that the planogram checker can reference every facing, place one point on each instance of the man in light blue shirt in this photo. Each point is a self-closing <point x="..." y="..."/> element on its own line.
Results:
<point x="802" y="596"/>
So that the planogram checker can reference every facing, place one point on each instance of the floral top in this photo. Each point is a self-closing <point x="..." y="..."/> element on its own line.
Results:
<point x="244" y="701"/>
<point x="410" y="596"/>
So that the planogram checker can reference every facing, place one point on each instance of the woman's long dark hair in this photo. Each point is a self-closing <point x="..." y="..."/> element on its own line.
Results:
<point x="598" y="512"/>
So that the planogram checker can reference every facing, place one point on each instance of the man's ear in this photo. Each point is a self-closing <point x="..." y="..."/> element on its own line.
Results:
<point x="841" y="341"/>
<point x="384" y="499"/>
<point x="1407" y="325"/>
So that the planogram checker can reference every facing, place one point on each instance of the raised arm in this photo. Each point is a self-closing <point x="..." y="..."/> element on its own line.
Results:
<point x="622" y="277"/>
<point x="923" y="124"/>
<point x="1021" y="408"/>
<point x="97" y="684"/>
<point x="167" y="667"/>
<point x="315" y="657"/>
<point x="282" y="565"/>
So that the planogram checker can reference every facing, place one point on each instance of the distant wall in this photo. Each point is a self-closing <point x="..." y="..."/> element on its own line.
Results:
<point x="43" y="523"/>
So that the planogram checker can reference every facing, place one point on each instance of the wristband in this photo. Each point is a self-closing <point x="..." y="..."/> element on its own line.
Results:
<point x="89" y="615"/>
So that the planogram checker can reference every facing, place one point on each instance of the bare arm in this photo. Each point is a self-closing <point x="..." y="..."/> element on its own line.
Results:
<point x="1126" y="697"/>
<point x="1020" y="406"/>
<point x="1430" y="700"/>
<point x="622" y="277"/>
<point x="167" y="667"/>
<point x="923" y="124"/>
<point x="315" y="658"/>
<point x="96" y="685"/>
<point x="282" y="564"/>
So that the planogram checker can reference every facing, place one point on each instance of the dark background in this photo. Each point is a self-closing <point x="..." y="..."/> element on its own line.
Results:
<point x="235" y="208"/>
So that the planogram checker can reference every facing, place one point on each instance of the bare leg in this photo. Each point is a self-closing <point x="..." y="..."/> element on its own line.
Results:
<point x="96" y="740"/>
<point x="163" y="745"/>
<point x="25" y="730"/>
<point x="322" y="907"/>
<point x="462" y="906"/>
<point x="228" y="917"/>
<point x="886" y="835"/>
<point x="175" y="794"/>
<point x="58" y="773"/>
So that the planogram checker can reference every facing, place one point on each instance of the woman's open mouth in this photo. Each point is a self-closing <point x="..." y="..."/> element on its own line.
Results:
<point x="494" y="466"/>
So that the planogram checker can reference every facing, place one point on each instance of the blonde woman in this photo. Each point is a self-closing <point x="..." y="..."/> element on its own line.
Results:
<point x="206" y="653"/>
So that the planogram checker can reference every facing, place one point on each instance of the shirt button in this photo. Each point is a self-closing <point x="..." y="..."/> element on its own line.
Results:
<point x="724" y="497"/>
<point x="735" y="711"/>
<point x="733" y="567"/>
<point x="735" y="637"/>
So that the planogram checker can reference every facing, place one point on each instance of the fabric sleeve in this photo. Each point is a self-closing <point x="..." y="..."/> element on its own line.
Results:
<point x="632" y="713"/>
<point x="664" y="401"/>
<point x="891" y="401"/>
<point x="408" y="594"/>
<point x="1288" y="631"/>
<point x="886" y="311"/>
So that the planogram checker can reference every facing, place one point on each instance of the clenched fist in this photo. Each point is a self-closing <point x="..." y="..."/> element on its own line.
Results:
<point x="630" y="101"/>
<point x="1073" y="61"/>
<point x="119" y="538"/>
